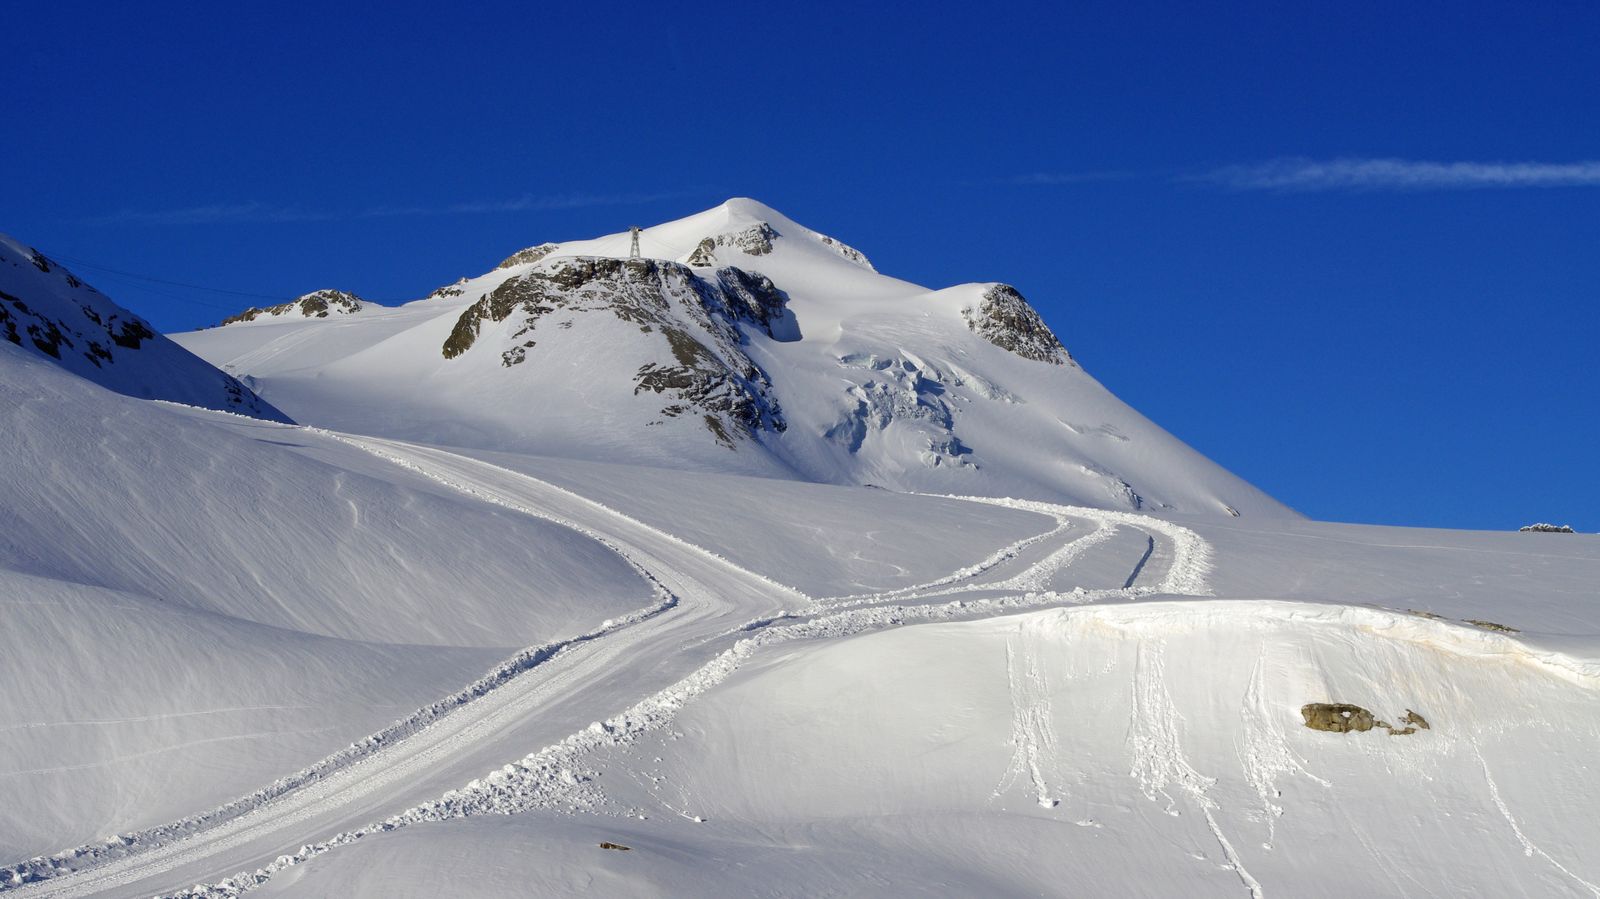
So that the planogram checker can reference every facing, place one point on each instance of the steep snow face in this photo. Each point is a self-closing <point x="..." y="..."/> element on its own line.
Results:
<point x="742" y="342"/>
<point x="317" y="304"/>
<point x="48" y="311"/>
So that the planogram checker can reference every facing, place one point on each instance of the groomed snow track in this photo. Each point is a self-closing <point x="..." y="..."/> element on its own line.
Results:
<point x="662" y="656"/>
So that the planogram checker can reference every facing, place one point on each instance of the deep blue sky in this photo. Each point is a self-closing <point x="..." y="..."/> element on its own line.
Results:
<point x="1380" y="342"/>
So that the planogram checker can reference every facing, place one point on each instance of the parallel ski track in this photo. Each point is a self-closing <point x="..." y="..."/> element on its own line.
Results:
<point x="685" y="614"/>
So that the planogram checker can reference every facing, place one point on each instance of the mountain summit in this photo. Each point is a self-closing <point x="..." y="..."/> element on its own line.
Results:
<point x="737" y="340"/>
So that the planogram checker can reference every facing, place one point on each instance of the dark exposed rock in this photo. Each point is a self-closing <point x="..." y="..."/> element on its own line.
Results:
<point x="698" y="317"/>
<point x="1337" y="717"/>
<point x="317" y="304"/>
<point x="1006" y="320"/>
<point x="531" y="254"/>
<point x="617" y="846"/>
<point x="1343" y="718"/>
<point x="1542" y="528"/>
<point x="1492" y="626"/>
<point x="131" y="334"/>
<point x="705" y="254"/>
<point x="8" y="326"/>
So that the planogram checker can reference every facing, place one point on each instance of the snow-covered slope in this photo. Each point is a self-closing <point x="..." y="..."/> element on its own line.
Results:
<point x="739" y="342"/>
<point x="47" y="310"/>
<point x="195" y="604"/>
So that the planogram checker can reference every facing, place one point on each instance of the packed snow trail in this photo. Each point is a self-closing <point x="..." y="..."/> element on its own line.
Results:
<point x="707" y="589"/>
<point x="554" y="697"/>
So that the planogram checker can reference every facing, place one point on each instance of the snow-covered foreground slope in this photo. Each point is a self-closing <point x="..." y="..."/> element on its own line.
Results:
<point x="740" y="342"/>
<point x="47" y="311"/>
<point x="1147" y="749"/>
<point x="758" y="739"/>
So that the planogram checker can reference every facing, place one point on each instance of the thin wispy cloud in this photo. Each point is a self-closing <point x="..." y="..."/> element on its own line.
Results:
<point x="1299" y="175"/>
<point x="259" y="213"/>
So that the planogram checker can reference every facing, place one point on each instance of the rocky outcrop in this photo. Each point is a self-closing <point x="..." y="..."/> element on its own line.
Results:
<point x="448" y="291"/>
<point x="1006" y="320"/>
<point x="531" y="254"/>
<point x="755" y="240"/>
<point x="848" y="252"/>
<point x="758" y="240"/>
<point x="703" y="370"/>
<point x="1542" y="528"/>
<point x="93" y="338"/>
<point x="45" y="309"/>
<point x="317" y="304"/>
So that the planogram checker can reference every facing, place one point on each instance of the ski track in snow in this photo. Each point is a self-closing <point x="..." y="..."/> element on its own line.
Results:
<point x="1265" y="754"/>
<point x="1033" y="735"/>
<point x="555" y="776"/>
<point x="1156" y="748"/>
<point x="1529" y="848"/>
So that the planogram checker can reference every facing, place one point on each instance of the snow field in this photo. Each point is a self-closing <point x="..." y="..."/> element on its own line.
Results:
<point x="561" y="777"/>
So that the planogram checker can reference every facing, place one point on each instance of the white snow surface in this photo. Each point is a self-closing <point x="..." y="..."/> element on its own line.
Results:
<point x="878" y="380"/>
<point x="428" y="643"/>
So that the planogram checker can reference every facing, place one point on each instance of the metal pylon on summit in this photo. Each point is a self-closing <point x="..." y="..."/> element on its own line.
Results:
<point x="633" y="252"/>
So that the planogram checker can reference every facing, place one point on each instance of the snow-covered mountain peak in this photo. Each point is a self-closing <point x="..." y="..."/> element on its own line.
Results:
<point x="323" y="303"/>
<point x="48" y="311"/>
<point x="738" y="228"/>
<point x="752" y="228"/>
<point x="738" y="340"/>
